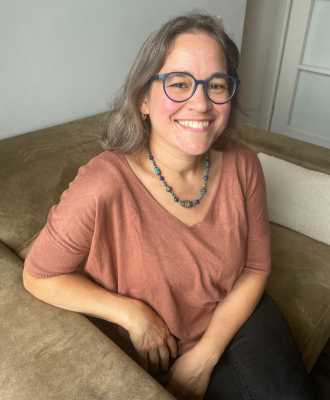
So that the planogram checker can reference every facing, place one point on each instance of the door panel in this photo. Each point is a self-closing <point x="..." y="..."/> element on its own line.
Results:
<point x="302" y="104"/>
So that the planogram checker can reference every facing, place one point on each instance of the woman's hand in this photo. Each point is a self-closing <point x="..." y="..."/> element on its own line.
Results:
<point x="151" y="337"/>
<point x="189" y="376"/>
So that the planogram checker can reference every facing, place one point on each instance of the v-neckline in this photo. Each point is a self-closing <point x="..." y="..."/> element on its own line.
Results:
<point x="164" y="209"/>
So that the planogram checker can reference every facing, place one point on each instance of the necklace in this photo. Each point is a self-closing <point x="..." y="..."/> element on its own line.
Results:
<point x="185" y="203"/>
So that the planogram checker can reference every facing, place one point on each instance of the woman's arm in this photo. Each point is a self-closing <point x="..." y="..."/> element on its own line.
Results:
<point x="230" y="314"/>
<point x="76" y="292"/>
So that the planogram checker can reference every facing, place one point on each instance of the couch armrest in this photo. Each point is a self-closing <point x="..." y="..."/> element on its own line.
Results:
<point x="48" y="352"/>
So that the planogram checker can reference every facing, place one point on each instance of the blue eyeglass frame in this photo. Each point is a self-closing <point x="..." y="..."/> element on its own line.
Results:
<point x="205" y="83"/>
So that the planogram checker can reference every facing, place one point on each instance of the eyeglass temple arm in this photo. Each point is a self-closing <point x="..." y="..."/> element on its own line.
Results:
<point x="153" y="78"/>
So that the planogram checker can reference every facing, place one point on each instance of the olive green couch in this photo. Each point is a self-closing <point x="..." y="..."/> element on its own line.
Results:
<point x="48" y="352"/>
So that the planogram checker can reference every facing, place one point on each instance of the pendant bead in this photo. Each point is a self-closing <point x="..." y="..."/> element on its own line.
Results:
<point x="186" y="204"/>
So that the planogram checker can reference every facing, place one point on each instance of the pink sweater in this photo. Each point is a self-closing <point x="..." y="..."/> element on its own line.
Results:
<point x="134" y="247"/>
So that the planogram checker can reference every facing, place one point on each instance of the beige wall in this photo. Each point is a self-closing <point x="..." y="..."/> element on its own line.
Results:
<point x="64" y="60"/>
<point x="260" y="50"/>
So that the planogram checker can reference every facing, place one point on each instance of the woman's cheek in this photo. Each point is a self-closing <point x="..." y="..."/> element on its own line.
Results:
<point x="168" y="107"/>
<point x="225" y="108"/>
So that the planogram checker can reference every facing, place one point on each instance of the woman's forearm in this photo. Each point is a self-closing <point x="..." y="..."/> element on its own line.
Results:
<point x="76" y="292"/>
<point x="230" y="314"/>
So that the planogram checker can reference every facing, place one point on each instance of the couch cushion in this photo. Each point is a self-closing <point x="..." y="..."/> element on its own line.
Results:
<point x="48" y="352"/>
<point x="297" y="198"/>
<point x="299" y="284"/>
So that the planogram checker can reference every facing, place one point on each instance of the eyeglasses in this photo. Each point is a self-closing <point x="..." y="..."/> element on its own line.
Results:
<point x="181" y="86"/>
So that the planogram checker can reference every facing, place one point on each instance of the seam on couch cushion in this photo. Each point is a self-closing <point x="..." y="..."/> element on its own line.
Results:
<point x="48" y="155"/>
<point x="311" y="349"/>
<point x="26" y="244"/>
<point x="324" y="316"/>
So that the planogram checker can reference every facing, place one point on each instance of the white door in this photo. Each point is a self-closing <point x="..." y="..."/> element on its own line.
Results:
<point x="302" y="103"/>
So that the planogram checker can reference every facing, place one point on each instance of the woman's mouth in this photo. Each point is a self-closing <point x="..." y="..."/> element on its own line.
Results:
<point x="194" y="125"/>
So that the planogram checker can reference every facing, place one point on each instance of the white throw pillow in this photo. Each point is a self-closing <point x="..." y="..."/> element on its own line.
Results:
<point x="297" y="198"/>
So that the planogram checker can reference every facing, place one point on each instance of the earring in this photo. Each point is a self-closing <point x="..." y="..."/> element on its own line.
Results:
<point x="144" y="116"/>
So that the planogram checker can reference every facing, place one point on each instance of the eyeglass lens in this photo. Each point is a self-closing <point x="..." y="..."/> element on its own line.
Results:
<point x="179" y="87"/>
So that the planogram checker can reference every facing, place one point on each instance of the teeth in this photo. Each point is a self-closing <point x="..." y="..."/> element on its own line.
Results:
<point x="195" y="124"/>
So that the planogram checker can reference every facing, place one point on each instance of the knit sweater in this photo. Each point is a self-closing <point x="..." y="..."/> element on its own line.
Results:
<point x="133" y="246"/>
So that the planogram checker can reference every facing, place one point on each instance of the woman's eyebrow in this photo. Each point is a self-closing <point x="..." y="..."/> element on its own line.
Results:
<point x="214" y="73"/>
<point x="179" y="74"/>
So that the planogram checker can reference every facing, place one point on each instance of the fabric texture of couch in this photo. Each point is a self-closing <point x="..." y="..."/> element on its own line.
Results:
<point x="48" y="352"/>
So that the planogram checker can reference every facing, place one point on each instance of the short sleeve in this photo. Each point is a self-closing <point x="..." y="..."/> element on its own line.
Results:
<point x="65" y="240"/>
<point x="258" y="257"/>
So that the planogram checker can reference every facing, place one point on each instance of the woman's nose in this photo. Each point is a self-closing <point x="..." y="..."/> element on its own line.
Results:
<point x="199" y="100"/>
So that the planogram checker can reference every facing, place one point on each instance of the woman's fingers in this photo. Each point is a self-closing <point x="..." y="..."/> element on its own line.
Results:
<point x="154" y="359"/>
<point x="157" y="359"/>
<point x="164" y="357"/>
<point x="171" y="342"/>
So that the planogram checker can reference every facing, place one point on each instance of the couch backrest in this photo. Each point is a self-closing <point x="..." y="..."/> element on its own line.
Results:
<point x="298" y="152"/>
<point x="35" y="169"/>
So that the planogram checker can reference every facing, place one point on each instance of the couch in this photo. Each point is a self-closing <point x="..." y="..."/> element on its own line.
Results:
<point x="48" y="352"/>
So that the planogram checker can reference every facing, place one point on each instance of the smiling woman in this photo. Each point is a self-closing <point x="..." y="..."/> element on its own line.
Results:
<point x="172" y="219"/>
<point x="203" y="57"/>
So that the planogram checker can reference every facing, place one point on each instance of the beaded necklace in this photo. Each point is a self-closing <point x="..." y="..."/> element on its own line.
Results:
<point x="185" y="203"/>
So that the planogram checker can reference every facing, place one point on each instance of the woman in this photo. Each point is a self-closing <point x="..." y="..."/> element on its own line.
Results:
<point x="173" y="220"/>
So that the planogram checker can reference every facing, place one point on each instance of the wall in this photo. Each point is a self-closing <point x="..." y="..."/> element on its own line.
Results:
<point x="63" y="60"/>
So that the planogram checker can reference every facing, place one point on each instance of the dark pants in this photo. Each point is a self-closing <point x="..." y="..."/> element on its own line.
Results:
<point x="262" y="361"/>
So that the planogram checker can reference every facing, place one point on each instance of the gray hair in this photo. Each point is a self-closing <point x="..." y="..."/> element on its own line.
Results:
<point x="122" y="130"/>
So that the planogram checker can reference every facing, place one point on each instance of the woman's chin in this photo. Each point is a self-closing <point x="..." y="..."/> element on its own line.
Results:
<point x="195" y="150"/>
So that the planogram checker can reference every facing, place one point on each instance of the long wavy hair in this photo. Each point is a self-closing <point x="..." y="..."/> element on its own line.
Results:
<point x="122" y="130"/>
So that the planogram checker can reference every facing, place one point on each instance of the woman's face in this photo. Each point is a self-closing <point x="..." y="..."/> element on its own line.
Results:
<point x="202" y="57"/>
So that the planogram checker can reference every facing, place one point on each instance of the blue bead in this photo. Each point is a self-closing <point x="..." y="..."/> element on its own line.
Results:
<point x="161" y="178"/>
<point x="151" y="158"/>
<point x="206" y="177"/>
<point x="196" y="201"/>
<point x="175" y="199"/>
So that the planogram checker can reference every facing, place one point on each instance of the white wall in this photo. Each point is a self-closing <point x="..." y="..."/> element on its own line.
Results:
<point x="263" y="27"/>
<point x="63" y="59"/>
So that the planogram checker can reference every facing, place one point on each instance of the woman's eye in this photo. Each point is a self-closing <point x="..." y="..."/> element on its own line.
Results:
<point x="217" y="87"/>
<point x="179" y="85"/>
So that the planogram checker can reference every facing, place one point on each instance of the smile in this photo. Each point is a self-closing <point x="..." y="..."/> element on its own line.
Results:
<point x="195" y="124"/>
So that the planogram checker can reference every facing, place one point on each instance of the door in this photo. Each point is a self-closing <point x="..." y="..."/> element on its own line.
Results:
<point x="302" y="103"/>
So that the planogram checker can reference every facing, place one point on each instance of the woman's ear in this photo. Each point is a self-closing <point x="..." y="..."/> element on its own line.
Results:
<point x="143" y="105"/>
